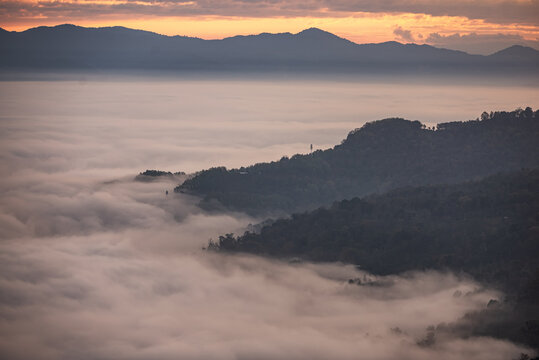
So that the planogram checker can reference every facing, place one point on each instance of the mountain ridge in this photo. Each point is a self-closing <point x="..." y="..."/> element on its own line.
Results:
<point x="70" y="46"/>
<point x="380" y="156"/>
<point x="311" y="30"/>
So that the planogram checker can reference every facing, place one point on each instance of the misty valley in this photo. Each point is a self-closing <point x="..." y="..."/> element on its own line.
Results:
<point x="232" y="216"/>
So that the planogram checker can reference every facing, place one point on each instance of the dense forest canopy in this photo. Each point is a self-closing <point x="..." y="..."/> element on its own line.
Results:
<point x="461" y="197"/>
<point x="151" y="175"/>
<point x="475" y="227"/>
<point x="378" y="157"/>
<point x="488" y="229"/>
<point x="156" y="173"/>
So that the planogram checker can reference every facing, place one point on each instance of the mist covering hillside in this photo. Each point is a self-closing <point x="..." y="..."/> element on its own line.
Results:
<point x="99" y="262"/>
<point x="378" y="157"/>
<point x="346" y="180"/>
<point x="488" y="229"/>
<point x="470" y="223"/>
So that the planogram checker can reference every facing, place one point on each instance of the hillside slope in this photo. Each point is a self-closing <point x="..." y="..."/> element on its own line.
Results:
<point x="378" y="157"/>
<point x="488" y="229"/>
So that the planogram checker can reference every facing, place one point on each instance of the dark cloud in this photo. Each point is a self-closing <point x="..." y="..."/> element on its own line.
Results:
<point x="498" y="11"/>
<point x="522" y="12"/>
<point x="479" y="44"/>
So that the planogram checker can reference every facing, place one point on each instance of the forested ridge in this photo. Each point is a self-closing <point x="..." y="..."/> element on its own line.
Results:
<point x="463" y="197"/>
<point x="376" y="158"/>
<point x="488" y="229"/>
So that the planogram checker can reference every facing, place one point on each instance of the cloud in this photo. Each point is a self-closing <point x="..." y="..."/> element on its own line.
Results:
<point x="99" y="297"/>
<point x="479" y="44"/>
<point x="94" y="265"/>
<point x="403" y="35"/>
<point x="498" y="11"/>
<point x="114" y="270"/>
<point x="482" y="44"/>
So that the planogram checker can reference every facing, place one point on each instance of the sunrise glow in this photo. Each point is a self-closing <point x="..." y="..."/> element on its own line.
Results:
<point x="360" y="22"/>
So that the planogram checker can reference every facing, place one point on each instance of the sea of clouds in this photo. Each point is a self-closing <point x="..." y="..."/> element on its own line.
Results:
<point x="97" y="265"/>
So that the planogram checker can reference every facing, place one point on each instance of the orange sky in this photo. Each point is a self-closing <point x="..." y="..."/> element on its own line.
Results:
<point x="358" y="20"/>
<point x="360" y="28"/>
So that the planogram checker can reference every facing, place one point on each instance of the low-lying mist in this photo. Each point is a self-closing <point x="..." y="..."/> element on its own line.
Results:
<point x="96" y="265"/>
<point x="124" y="124"/>
<point x="66" y="299"/>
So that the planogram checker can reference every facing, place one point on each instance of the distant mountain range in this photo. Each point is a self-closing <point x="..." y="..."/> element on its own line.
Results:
<point x="67" y="47"/>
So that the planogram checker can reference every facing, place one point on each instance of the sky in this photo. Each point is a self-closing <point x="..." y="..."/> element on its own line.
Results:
<point x="481" y="26"/>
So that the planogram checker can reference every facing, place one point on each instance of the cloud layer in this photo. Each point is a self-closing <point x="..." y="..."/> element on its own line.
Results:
<point x="115" y="270"/>
<point x="98" y="297"/>
<point x="494" y="11"/>
<point x="95" y="265"/>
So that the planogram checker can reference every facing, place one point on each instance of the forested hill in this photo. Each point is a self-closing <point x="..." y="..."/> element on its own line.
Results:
<point x="378" y="157"/>
<point x="489" y="229"/>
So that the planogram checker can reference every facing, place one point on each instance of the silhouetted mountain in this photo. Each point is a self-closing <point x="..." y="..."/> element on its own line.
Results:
<point x="378" y="157"/>
<point x="75" y="47"/>
<point x="517" y="51"/>
<point x="524" y="56"/>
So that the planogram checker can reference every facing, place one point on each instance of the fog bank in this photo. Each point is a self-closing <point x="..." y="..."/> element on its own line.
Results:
<point x="96" y="265"/>
<point x="124" y="124"/>
<point x="99" y="297"/>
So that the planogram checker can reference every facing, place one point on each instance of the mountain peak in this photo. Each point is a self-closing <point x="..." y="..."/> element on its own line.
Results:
<point x="517" y="50"/>
<point x="61" y="27"/>
<point x="313" y="30"/>
<point x="383" y="128"/>
<point x="65" y="27"/>
<point x="316" y="33"/>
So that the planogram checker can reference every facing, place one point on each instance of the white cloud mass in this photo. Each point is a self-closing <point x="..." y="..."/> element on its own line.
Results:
<point x="95" y="265"/>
